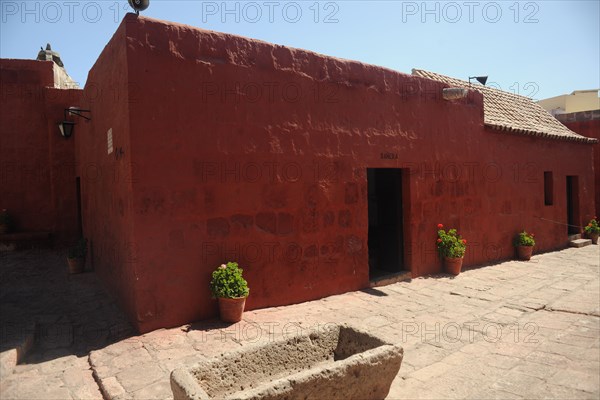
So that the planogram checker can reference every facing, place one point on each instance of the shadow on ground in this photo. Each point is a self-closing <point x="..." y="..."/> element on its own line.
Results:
<point x="64" y="314"/>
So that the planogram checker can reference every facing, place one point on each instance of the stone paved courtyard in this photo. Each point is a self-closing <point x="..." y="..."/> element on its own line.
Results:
<point x="510" y="330"/>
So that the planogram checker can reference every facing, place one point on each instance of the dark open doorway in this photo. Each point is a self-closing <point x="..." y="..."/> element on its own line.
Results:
<point x="573" y="219"/>
<point x="386" y="234"/>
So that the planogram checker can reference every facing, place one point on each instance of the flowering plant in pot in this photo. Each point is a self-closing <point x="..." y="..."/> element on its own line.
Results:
<point x="451" y="247"/>
<point x="592" y="230"/>
<point x="76" y="256"/>
<point x="524" y="243"/>
<point x="231" y="290"/>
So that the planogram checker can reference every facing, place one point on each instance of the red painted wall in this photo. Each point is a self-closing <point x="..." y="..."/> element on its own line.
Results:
<point x="590" y="129"/>
<point x="239" y="149"/>
<point x="37" y="178"/>
<point x="106" y="181"/>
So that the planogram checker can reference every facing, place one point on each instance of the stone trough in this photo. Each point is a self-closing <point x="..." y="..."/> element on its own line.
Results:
<point x="333" y="362"/>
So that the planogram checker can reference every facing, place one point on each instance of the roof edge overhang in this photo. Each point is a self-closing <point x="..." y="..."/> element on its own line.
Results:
<point x="525" y="132"/>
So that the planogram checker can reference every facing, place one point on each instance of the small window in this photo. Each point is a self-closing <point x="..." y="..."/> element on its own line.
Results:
<point x="548" y="188"/>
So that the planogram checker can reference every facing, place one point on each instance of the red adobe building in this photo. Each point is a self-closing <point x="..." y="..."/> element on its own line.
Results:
<point x="316" y="174"/>
<point x="37" y="166"/>
<point x="587" y="123"/>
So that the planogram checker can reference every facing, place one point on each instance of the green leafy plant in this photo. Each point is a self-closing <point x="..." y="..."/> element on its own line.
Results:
<point x="227" y="282"/>
<point x="524" y="239"/>
<point x="592" y="227"/>
<point x="79" y="250"/>
<point x="450" y="244"/>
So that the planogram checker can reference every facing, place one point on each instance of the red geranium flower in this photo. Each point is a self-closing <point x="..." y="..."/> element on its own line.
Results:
<point x="440" y="226"/>
<point x="439" y="240"/>
<point x="464" y="241"/>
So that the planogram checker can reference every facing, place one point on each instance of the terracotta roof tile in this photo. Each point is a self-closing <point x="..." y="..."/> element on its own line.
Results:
<point x="512" y="113"/>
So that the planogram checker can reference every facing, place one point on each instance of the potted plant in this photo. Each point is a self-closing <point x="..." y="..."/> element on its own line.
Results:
<point x="6" y="222"/>
<point x="451" y="248"/>
<point x="76" y="257"/>
<point x="231" y="290"/>
<point x="592" y="230"/>
<point x="524" y="243"/>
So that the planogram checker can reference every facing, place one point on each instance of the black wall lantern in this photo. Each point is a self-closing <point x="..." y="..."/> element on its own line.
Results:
<point x="66" y="127"/>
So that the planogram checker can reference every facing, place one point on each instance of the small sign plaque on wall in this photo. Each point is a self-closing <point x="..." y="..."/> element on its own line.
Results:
<point x="389" y="156"/>
<point x="109" y="141"/>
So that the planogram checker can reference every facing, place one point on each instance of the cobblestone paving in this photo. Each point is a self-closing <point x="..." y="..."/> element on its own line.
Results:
<point x="69" y="316"/>
<point x="510" y="330"/>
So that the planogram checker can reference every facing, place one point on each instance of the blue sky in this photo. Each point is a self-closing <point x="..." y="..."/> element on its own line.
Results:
<point x="535" y="48"/>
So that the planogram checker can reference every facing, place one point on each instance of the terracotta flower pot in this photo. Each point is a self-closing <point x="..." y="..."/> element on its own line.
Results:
<point x="594" y="237"/>
<point x="453" y="265"/>
<point x="524" y="252"/>
<point x="231" y="310"/>
<point x="76" y="265"/>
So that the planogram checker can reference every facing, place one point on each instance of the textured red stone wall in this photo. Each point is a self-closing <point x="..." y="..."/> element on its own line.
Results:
<point x="590" y="129"/>
<point x="243" y="150"/>
<point x="106" y="179"/>
<point x="37" y="180"/>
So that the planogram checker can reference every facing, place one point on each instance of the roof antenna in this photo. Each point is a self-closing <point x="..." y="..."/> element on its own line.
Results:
<point x="139" y="5"/>
<point x="480" y="79"/>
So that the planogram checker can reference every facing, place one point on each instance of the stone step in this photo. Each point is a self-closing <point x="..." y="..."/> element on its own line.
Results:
<point x="16" y="344"/>
<point x="580" y="242"/>
<point x="390" y="279"/>
<point x="25" y="240"/>
<point x="575" y="237"/>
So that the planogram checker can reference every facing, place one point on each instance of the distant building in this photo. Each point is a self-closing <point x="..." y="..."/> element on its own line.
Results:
<point x="580" y="112"/>
<point x="578" y="101"/>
